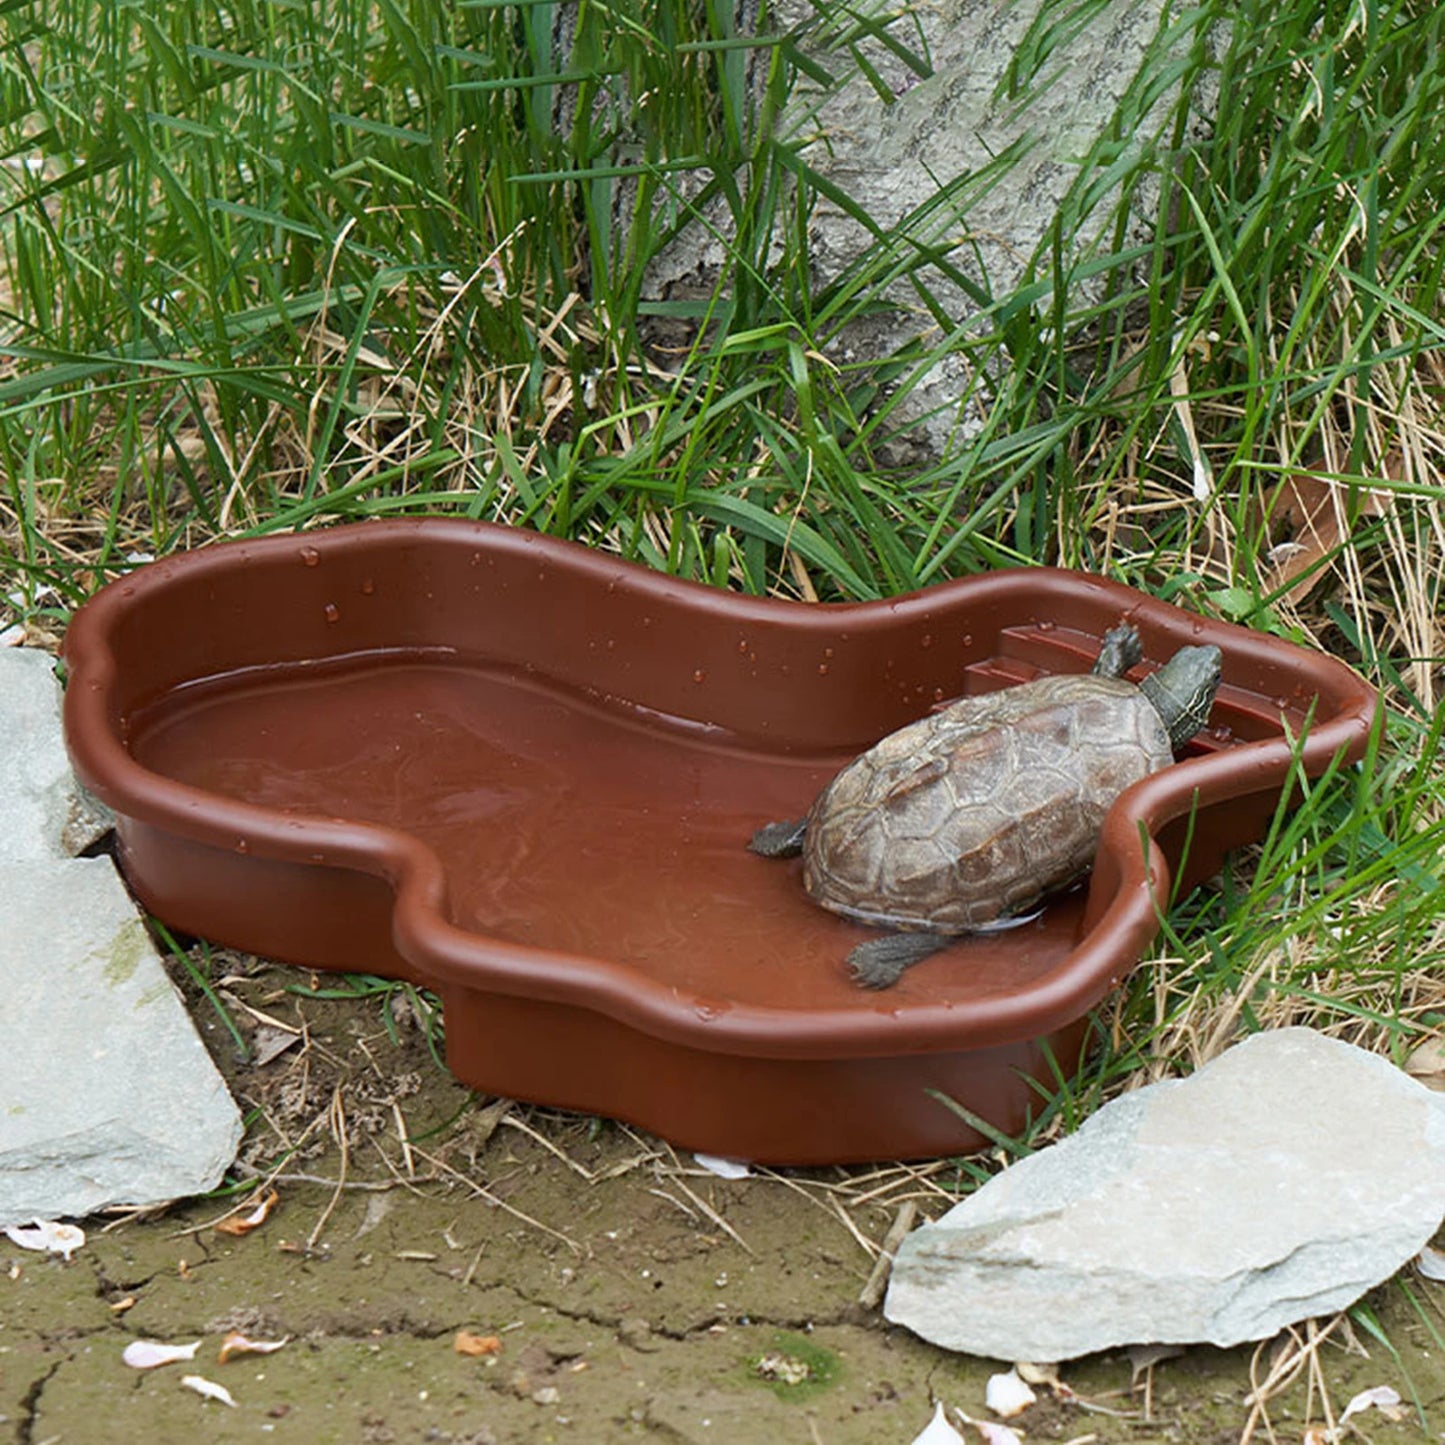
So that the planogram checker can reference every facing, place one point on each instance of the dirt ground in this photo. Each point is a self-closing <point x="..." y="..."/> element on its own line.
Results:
<point x="615" y="1289"/>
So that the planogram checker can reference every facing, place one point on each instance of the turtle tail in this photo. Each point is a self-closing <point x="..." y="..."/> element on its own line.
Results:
<point x="779" y="840"/>
<point x="880" y="962"/>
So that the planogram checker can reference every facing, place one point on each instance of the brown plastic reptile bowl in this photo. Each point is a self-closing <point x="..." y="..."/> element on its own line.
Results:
<point x="523" y="774"/>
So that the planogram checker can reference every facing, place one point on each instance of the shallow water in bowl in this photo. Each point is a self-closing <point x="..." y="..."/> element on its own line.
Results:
<point x="566" y="821"/>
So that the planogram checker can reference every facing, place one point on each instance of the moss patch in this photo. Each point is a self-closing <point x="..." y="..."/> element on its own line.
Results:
<point x="127" y="949"/>
<point x="795" y="1367"/>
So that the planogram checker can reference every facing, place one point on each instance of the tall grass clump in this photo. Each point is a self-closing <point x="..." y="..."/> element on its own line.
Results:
<point x="268" y="263"/>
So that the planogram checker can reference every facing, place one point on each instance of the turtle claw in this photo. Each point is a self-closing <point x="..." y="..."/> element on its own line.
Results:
<point x="779" y="840"/>
<point x="1122" y="647"/>
<point x="881" y="962"/>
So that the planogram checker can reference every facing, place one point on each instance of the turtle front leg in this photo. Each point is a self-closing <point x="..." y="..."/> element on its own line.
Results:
<point x="779" y="840"/>
<point x="1121" y="648"/>
<point x="881" y="962"/>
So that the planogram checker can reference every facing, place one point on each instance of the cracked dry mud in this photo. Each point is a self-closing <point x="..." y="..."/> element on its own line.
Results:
<point x="634" y="1295"/>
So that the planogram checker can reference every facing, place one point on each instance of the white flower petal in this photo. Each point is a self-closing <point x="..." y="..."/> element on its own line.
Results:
<point x="45" y="1234"/>
<point x="1008" y="1395"/>
<point x="238" y="1344"/>
<point x="1382" y="1396"/>
<point x="1203" y="479"/>
<point x="1431" y="1263"/>
<point x="725" y="1168"/>
<point x="994" y="1434"/>
<point x="147" y="1354"/>
<point x="208" y="1388"/>
<point x="938" y="1431"/>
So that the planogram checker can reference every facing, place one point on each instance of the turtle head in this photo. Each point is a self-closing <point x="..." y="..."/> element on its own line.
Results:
<point x="1182" y="691"/>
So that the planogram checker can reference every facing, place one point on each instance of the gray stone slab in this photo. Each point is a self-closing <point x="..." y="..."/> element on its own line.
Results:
<point x="1279" y="1182"/>
<point x="109" y="1096"/>
<point x="44" y="812"/>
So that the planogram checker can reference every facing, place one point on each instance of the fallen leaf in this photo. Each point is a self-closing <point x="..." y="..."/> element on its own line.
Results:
<point x="1033" y="1373"/>
<point x="255" y="1219"/>
<point x="1203" y="474"/>
<point x="236" y="1343"/>
<point x="485" y="1122"/>
<point x="1427" y="1063"/>
<point x="1316" y="513"/>
<point x="468" y="1343"/>
<point x="1008" y="1395"/>
<point x="1143" y="1358"/>
<point x="47" y="1235"/>
<point x="270" y="1043"/>
<point x="208" y="1389"/>
<point x="150" y="1354"/>
<point x="938" y="1431"/>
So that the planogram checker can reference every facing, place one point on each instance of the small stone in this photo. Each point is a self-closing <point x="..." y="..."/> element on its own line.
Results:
<point x="109" y="1094"/>
<point x="1279" y="1182"/>
<point x="637" y="1334"/>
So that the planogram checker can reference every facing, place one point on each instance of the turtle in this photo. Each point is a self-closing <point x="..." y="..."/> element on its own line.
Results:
<point x="962" y="821"/>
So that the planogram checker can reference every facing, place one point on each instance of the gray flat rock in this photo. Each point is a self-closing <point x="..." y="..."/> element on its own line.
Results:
<point x="109" y="1094"/>
<point x="1279" y="1182"/>
<point x="44" y="812"/>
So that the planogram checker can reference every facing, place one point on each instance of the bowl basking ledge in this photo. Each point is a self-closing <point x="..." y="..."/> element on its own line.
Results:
<point x="523" y="774"/>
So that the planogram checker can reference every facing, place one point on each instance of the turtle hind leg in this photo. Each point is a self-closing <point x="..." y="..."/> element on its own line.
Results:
<point x="880" y="962"/>
<point x="779" y="840"/>
<point x="1122" y="647"/>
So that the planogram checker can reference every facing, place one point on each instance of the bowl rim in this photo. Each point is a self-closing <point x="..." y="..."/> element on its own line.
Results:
<point x="1131" y="873"/>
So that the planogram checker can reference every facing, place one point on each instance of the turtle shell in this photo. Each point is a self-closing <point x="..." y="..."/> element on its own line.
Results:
<point x="973" y="813"/>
